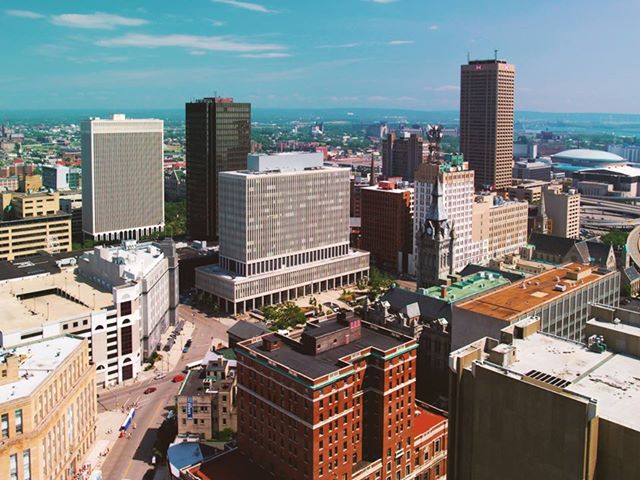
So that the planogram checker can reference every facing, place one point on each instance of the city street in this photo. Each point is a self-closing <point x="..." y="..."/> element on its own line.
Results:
<point x="130" y="458"/>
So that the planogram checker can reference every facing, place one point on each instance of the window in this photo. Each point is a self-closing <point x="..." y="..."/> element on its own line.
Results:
<point x="125" y="308"/>
<point x="126" y="340"/>
<point x="13" y="467"/>
<point x="5" y="425"/>
<point x="26" y="464"/>
<point x="19" y="421"/>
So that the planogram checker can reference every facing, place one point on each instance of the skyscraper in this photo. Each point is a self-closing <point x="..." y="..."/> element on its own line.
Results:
<point x="486" y="120"/>
<point x="123" y="185"/>
<point x="218" y="139"/>
<point x="402" y="155"/>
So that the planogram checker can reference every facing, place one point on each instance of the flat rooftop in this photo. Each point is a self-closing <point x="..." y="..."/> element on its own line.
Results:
<point x="526" y="295"/>
<point x="31" y="302"/>
<point x="320" y="364"/>
<point x="613" y="379"/>
<point x="40" y="360"/>
<point x="469" y="286"/>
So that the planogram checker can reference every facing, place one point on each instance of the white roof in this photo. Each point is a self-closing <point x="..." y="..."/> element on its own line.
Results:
<point x="585" y="154"/>
<point x="42" y="359"/>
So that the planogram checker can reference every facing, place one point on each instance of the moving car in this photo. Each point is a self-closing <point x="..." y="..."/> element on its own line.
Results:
<point x="150" y="390"/>
<point x="178" y="378"/>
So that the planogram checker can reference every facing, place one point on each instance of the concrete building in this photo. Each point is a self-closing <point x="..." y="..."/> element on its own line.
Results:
<point x="355" y="202"/>
<point x="218" y="139"/>
<point x="629" y="152"/>
<point x="122" y="317"/>
<point x="618" y="181"/>
<point x="559" y="297"/>
<point x="283" y="234"/>
<point x="206" y="402"/>
<point x="71" y="203"/>
<point x="530" y="191"/>
<point x="530" y="405"/>
<point x="501" y="223"/>
<point x="122" y="173"/>
<point x="149" y="274"/>
<point x="401" y="155"/>
<point x="387" y="225"/>
<point x="47" y="408"/>
<point x="306" y="411"/>
<point x="486" y="120"/>
<point x="531" y="169"/>
<point x="457" y="190"/>
<point x="563" y="208"/>
<point x="60" y="177"/>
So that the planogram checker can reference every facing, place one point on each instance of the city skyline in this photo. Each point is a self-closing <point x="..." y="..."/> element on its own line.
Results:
<point x="275" y="53"/>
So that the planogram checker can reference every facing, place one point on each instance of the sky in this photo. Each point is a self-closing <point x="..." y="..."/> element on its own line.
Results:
<point x="570" y="55"/>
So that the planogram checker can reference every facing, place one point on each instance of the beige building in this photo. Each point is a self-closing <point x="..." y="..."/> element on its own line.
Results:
<point x="284" y="233"/>
<point x="29" y="183"/>
<point x="563" y="208"/>
<point x="47" y="408"/>
<point x="502" y="223"/>
<point x="532" y="405"/>
<point x="530" y="191"/>
<point x="486" y="120"/>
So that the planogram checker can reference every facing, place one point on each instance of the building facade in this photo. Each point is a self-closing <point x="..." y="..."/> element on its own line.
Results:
<point x="48" y="408"/>
<point x="218" y="139"/>
<point x="563" y="208"/>
<point x="122" y="170"/>
<point x="401" y="155"/>
<point x="387" y="225"/>
<point x="284" y="233"/>
<point x="60" y="177"/>
<point x="486" y="120"/>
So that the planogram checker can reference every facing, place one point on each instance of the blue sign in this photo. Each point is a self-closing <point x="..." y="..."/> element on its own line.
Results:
<point x="189" y="408"/>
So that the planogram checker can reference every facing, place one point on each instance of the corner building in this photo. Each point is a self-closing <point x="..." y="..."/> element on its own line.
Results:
<point x="335" y="401"/>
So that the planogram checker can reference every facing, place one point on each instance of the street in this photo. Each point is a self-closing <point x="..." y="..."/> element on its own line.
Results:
<point x="131" y="457"/>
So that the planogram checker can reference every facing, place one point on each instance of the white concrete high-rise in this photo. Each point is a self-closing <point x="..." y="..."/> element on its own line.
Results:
<point x="284" y="233"/>
<point x="123" y="184"/>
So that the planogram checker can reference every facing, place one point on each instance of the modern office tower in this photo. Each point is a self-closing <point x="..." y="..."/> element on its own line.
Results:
<point x="558" y="296"/>
<point x="33" y="222"/>
<point x="486" y="120"/>
<point x="563" y="208"/>
<point x="502" y="223"/>
<point x="457" y="191"/>
<point x="387" y="225"/>
<point x="120" y="299"/>
<point x="336" y="400"/>
<point x="60" y="177"/>
<point x="122" y="173"/>
<point x="401" y="155"/>
<point x="528" y="405"/>
<point x="47" y="408"/>
<point x="218" y="139"/>
<point x="284" y="233"/>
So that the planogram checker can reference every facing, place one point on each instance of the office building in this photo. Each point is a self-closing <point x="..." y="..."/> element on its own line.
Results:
<point x="563" y="208"/>
<point x="629" y="152"/>
<point x="530" y="191"/>
<point x="529" y="405"/>
<point x="310" y="414"/>
<point x="525" y="148"/>
<point x="32" y="223"/>
<point x="120" y="299"/>
<point x="218" y="139"/>
<point x="402" y="154"/>
<point x="486" y="120"/>
<point x="206" y="402"/>
<point x="387" y="225"/>
<point x="355" y="197"/>
<point x="28" y="183"/>
<point x="175" y="185"/>
<point x="502" y="223"/>
<point x="559" y="297"/>
<point x="284" y="233"/>
<point x="47" y="408"/>
<point x="531" y="169"/>
<point x="60" y="177"/>
<point x="122" y="176"/>
<point x="457" y="193"/>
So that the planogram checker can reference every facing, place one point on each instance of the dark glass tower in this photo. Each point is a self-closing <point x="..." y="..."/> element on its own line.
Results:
<point x="218" y="139"/>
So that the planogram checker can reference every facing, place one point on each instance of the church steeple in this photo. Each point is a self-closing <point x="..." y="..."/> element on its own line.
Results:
<point x="541" y="221"/>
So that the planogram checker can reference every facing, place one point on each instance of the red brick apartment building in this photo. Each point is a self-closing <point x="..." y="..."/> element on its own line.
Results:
<point x="335" y="401"/>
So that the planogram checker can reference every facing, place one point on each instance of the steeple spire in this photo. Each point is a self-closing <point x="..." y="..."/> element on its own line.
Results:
<point x="436" y="210"/>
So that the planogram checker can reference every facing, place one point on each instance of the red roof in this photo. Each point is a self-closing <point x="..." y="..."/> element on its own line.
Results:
<point x="424" y="420"/>
<point x="230" y="466"/>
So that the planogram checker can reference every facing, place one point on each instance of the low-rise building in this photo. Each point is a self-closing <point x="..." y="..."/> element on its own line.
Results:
<point x="47" y="408"/>
<point x="537" y="406"/>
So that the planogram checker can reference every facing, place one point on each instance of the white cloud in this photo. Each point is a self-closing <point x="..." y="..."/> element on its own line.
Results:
<point x="444" y="88"/>
<point x="193" y="42"/>
<point x="382" y="2"/>
<point x="400" y="42"/>
<point x="197" y="52"/>
<point x="433" y="27"/>
<point x="217" y="23"/>
<point x="341" y="45"/>
<point x="24" y="14"/>
<point x="103" y="21"/>
<point x="254" y="7"/>
<point x="266" y="55"/>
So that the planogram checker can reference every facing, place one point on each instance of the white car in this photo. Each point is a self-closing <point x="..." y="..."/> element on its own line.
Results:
<point x="160" y="376"/>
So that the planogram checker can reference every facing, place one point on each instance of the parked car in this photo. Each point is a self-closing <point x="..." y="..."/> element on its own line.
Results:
<point x="160" y="376"/>
<point x="185" y="349"/>
<point x="178" y="378"/>
<point x="150" y="390"/>
<point x="188" y="343"/>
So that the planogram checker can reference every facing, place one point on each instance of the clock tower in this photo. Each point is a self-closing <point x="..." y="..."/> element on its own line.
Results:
<point x="435" y="240"/>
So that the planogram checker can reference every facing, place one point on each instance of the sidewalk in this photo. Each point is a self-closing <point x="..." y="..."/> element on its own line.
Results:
<point x="171" y="358"/>
<point x="107" y="429"/>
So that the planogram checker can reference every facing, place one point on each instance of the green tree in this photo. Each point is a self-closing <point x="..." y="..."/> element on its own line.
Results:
<point x="617" y="238"/>
<point x="379" y="281"/>
<point x="284" y="315"/>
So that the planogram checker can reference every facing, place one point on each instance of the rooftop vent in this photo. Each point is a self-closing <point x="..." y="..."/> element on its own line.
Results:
<point x="552" y="380"/>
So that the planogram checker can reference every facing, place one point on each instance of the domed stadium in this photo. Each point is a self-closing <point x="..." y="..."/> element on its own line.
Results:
<point x="583" y="159"/>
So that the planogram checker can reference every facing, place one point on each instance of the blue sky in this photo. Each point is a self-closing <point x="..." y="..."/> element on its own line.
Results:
<point x="570" y="55"/>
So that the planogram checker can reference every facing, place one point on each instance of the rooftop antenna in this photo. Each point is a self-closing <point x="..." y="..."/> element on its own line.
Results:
<point x="468" y="56"/>
<point x="495" y="54"/>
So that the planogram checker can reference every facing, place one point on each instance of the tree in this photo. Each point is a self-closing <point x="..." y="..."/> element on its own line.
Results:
<point x="379" y="282"/>
<point x="284" y="315"/>
<point x="617" y="238"/>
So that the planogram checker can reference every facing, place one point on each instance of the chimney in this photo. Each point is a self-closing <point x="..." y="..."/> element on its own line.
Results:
<point x="443" y="291"/>
<point x="270" y="343"/>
